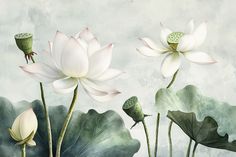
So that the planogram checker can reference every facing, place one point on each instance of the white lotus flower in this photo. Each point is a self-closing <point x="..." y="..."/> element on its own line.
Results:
<point x="75" y="60"/>
<point x="177" y="44"/>
<point x="24" y="127"/>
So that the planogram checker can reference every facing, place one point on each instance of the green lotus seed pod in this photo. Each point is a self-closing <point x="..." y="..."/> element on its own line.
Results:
<point x="173" y="39"/>
<point x="24" y="42"/>
<point x="133" y="108"/>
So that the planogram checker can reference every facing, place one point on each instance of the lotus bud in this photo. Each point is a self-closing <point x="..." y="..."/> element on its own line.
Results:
<point x="24" y="128"/>
<point x="24" y="42"/>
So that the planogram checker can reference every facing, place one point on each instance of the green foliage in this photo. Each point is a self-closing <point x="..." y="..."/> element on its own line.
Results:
<point x="203" y="132"/>
<point x="88" y="135"/>
<point x="213" y="119"/>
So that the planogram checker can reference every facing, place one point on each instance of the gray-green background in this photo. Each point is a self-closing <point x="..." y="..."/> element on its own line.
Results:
<point x="122" y="22"/>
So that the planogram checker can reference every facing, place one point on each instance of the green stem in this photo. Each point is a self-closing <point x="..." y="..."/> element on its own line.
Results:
<point x="170" y="140"/>
<point x="172" y="80"/>
<point x="147" y="138"/>
<point x="47" y="121"/>
<point x="66" y="122"/>
<point x="157" y="133"/>
<point x="49" y="131"/>
<point x="194" y="149"/>
<point x="170" y="125"/>
<point x="23" y="153"/>
<point x="189" y="148"/>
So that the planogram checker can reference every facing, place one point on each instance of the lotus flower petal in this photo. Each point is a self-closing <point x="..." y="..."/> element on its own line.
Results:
<point x="65" y="85"/>
<point x="42" y="72"/>
<point x="109" y="74"/>
<point x="199" y="57"/>
<point x="74" y="61"/>
<point x="200" y="34"/>
<point x="58" y="45"/>
<point x="170" y="64"/>
<point x="164" y="34"/>
<point x="100" y="61"/>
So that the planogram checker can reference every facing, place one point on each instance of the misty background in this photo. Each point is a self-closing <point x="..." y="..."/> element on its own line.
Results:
<point x="122" y="22"/>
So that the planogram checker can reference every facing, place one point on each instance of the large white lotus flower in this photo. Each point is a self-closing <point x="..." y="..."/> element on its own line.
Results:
<point x="24" y="128"/>
<point x="177" y="44"/>
<point x="78" y="59"/>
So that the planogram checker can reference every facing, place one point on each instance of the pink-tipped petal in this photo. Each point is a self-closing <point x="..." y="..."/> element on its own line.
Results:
<point x="85" y="34"/>
<point x="42" y="72"/>
<point x="199" y="57"/>
<point x="106" y="93"/>
<point x="89" y="87"/>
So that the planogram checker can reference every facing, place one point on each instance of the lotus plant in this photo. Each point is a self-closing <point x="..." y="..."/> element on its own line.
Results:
<point x="24" y="128"/>
<point x="177" y="44"/>
<point x="78" y="60"/>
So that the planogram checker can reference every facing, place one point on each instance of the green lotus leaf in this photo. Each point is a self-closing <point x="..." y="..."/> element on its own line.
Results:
<point x="190" y="100"/>
<point x="89" y="134"/>
<point x="203" y="132"/>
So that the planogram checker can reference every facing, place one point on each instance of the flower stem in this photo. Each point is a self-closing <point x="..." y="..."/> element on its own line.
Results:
<point x="23" y="153"/>
<point x="189" y="148"/>
<point x="47" y="121"/>
<point x="170" y="139"/>
<point x="147" y="138"/>
<point x="172" y="80"/>
<point x="170" y="125"/>
<point x="194" y="149"/>
<point x="66" y="122"/>
<point x="157" y="133"/>
<point x="49" y="131"/>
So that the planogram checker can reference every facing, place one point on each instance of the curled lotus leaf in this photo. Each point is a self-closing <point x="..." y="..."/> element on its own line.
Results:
<point x="191" y="100"/>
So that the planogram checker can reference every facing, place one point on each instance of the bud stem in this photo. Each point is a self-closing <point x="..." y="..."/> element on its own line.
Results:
<point x="170" y="125"/>
<point x="147" y="138"/>
<point x="49" y="131"/>
<point x="157" y="133"/>
<point x="170" y="139"/>
<point x="66" y="122"/>
<point x="23" y="153"/>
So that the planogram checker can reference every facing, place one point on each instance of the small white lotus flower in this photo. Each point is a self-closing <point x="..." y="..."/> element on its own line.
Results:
<point x="177" y="44"/>
<point x="24" y="128"/>
<point x="78" y="59"/>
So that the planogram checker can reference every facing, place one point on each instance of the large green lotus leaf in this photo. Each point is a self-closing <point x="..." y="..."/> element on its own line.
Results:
<point x="203" y="132"/>
<point x="190" y="99"/>
<point x="89" y="134"/>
